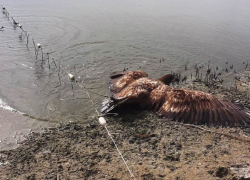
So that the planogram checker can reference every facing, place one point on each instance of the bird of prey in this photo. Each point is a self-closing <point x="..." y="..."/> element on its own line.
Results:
<point x="187" y="106"/>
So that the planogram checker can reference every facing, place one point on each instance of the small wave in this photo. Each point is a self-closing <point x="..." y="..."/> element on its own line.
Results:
<point x="6" y="107"/>
<point x="86" y="43"/>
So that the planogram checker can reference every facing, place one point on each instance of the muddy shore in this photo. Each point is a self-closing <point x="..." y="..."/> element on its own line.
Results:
<point x="154" y="148"/>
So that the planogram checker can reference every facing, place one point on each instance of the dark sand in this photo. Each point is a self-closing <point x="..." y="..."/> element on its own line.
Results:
<point x="153" y="148"/>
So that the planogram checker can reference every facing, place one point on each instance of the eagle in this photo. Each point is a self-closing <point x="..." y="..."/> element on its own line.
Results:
<point x="182" y="105"/>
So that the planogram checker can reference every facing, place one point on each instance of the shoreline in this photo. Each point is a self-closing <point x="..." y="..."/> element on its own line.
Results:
<point x="154" y="148"/>
<point x="15" y="125"/>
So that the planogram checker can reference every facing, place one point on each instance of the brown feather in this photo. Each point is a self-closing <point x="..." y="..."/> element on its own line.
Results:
<point x="120" y="80"/>
<point x="205" y="106"/>
<point x="194" y="107"/>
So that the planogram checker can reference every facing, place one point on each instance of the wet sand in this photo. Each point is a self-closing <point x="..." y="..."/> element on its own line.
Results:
<point x="153" y="148"/>
<point x="14" y="126"/>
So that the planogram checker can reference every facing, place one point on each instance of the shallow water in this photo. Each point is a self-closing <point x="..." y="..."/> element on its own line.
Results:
<point x="93" y="38"/>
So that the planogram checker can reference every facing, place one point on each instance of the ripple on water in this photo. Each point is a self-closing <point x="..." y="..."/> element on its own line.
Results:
<point x="92" y="39"/>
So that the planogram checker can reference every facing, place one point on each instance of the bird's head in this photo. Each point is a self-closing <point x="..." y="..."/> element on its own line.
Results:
<point x="167" y="79"/>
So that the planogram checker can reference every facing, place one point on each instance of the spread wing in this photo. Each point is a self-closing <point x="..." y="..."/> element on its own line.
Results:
<point x="157" y="97"/>
<point x="120" y="80"/>
<point x="137" y="92"/>
<point x="196" y="107"/>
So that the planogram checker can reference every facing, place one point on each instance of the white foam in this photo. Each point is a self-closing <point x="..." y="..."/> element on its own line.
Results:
<point x="6" y="107"/>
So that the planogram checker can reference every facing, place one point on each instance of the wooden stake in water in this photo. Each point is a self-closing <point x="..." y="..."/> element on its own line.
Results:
<point x="59" y="73"/>
<point x="21" y="35"/>
<point x="39" y="46"/>
<point x="35" y="47"/>
<point x="72" y="87"/>
<point x="27" y="41"/>
<point x="54" y="62"/>
<point x="3" y="9"/>
<point x="49" y="63"/>
<point x="14" y="22"/>
<point x="42" y="53"/>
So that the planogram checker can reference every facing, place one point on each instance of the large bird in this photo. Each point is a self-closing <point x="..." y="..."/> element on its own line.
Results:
<point x="187" y="106"/>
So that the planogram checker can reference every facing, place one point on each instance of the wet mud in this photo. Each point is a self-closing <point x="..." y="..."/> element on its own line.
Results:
<point x="154" y="148"/>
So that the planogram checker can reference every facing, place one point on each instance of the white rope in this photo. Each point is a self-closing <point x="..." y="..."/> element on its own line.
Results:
<point x="132" y="175"/>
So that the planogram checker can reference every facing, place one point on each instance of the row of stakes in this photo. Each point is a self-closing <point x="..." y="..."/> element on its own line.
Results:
<point x="71" y="77"/>
<point x="37" y="46"/>
<point x="209" y="78"/>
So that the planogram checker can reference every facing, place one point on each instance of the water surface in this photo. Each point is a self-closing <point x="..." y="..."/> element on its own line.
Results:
<point x="91" y="39"/>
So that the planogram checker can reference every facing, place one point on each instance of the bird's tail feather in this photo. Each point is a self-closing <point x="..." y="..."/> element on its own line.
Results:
<point x="109" y="104"/>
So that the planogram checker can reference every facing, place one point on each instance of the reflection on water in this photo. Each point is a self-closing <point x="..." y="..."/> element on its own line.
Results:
<point x="93" y="38"/>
